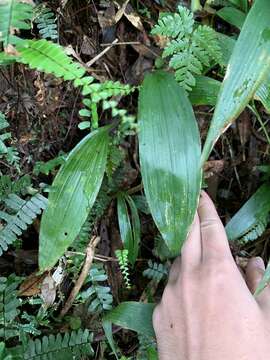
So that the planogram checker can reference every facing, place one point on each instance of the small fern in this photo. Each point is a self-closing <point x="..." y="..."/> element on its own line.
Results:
<point x="9" y="186"/>
<point x="46" y="22"/>
<point x="19" y="215"/>
<point x="99" y="296"/>
<point x="46" y="56"/>
<point x="14" y="14"/>
<point x="122" y="257"/>
<point x="74" y="345"/>
<point x="8" y="152"/>
<point x="191" y="48"/>
<point x="255" y="231"/>
<point x="9" y="304"/>
<point x="155" y="271"/>
<point x="147" y="348"/>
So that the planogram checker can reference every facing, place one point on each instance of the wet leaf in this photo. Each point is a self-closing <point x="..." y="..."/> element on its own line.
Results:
<point x="129" y="228"/>
<point x="72" y="195"/>
<point x="232" y="15"/>
<point x="250" y="214"/>
<point x="169" y="144"/>
<point x="243" y="75"/>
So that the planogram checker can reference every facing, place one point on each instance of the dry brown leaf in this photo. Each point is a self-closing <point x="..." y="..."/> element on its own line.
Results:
<point x="31" y="285"/>
<point x="130" y="14"/>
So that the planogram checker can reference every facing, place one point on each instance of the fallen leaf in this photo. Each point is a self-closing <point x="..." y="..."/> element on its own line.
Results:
<point x="31" y="285"/>
<point x="48" y="291"/>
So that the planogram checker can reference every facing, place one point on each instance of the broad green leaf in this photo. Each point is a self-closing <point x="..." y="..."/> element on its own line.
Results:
<point x="241" y="4"/>
<point x="205" y="92"/>
<point x="73" y="193"/>
<point x="247" y="69"/>
<point x="232" y="15"/>
<point x="129" y="230"/>
<point x="251" y="213"/>
<point x="169" y="145"/>
<point x="263" y="95"/>
<point x="132" y="315"/>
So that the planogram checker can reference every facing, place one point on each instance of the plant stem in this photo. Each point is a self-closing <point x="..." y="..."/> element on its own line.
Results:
<point x="196" y="5"/>
<point x="90" y="252"/>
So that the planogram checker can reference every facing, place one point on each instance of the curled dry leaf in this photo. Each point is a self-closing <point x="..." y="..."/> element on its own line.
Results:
<point x="48" y="290"/>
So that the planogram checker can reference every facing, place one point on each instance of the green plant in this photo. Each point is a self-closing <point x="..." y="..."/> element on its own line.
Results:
<point x="155" y="271"/>
<point x="9" y="153"/>
<point x="46" y="22"/>
<point x="19" y="214"/>
<point x="76" y="344"/>
<point x="14" y="14"/>
<point x="191" y="49"/>
<point x="97" y="295"/>
<point x="122" y="257"/>
<point x="9" y="304"/>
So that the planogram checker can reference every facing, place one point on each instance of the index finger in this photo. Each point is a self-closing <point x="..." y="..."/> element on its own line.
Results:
<point x="215" y="244"/>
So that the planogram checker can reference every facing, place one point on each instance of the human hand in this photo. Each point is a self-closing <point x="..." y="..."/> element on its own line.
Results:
<point x="207" y="311"/>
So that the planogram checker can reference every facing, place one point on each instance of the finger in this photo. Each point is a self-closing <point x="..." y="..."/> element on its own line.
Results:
<point x="215" y="244"/>
<point x="192" y="248"/>
<point x="175" y="270"/>
<point x="254" y="274"/>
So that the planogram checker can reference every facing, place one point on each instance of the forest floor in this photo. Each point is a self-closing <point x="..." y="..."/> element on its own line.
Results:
<point x="113" y="40"/>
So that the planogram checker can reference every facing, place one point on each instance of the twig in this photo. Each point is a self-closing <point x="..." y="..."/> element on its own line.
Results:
<point x="90" y="252"/>
<point x="96" y="58"/>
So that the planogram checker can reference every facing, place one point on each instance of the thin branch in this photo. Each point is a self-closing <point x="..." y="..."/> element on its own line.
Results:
<point x="90" y="252"/>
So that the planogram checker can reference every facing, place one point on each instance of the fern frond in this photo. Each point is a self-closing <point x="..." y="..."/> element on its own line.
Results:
<point x="122" y="257"/>
<point x="155" y="271"/>
<point x="9" y="304"/>
<point x="99" y="296"/>
<point x="205" y="38"/>
<point x="46" y="22"/>
<point x="175" y="25"/>
<point x="14" y="14"/>
<point x="21" y="214"/>
<point x="191" y="49"/>
<point x="10" y="186"/>
<point x="69" y="346"/>
<point x="256" y="231"/>
<point x="46" y="56"/>
<point x="6" y="135"/>
<point x="8" y="152"/>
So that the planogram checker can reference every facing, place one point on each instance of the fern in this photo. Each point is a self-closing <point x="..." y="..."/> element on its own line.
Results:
<point x="191" y="48"/>
<point x="99" y="296"/>
<point x="14" y="14"/>
<point x="155" y="271"/>
<point x="21" y="214"/>
<point x="147" y="348"/>
<point x="46" y="56"/>
<point x="6" y="151"/>
<point x="122" y="257"/>
<point x="103" y="92"/>
<point x="9" y="304"/>
<point x="69" y="346"/>
<point x="255" y="231"/>
<point x="46" y="22"/>
<point x="9" y="186"/>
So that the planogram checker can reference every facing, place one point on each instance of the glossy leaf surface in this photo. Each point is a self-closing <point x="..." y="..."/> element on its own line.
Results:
<point x="243" y="75"/>
<point x="169" y="145"/>
<point x="255" y="209"/>
<point x="73" y="193"/>
<point x="129" y="228"/>
<point x="232" y="15"/>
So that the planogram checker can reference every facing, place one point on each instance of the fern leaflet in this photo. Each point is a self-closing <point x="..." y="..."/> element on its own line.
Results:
<point x="155" y="271"/>
<point x="122" y="257"/>
<point x="191" y="48"/>
<point x="21" y="214"/>
<point x="8" y="152"/>
<point x="9" y="304"/>
<point x="46" y="56"/>
<point x="256" y="231"/>
<point x="46" y="22"/>
<point x="100" y="296"/>
<point x="69" y="346"/>
<point x="14" y="14"/>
